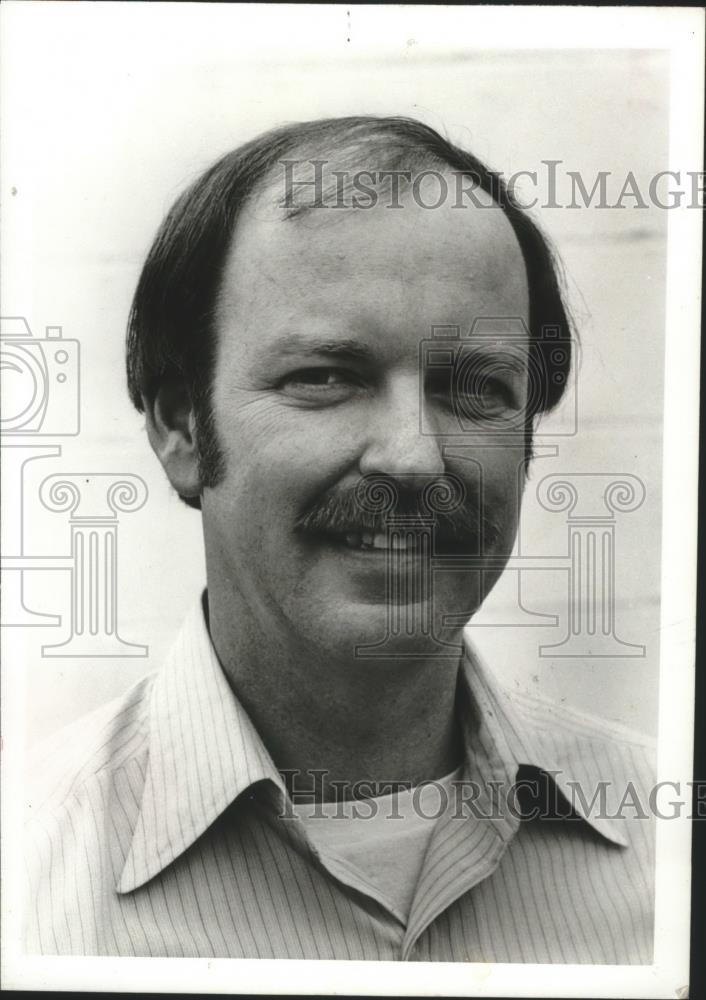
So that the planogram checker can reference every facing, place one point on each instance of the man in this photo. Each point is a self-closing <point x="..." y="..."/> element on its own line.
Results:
<point x="267" y="794"/>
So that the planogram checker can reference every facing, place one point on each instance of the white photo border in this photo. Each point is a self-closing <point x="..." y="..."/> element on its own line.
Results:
<point x="681" y="31"/>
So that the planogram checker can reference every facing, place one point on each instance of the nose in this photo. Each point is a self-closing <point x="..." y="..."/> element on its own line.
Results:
<point x="398" y="443"/>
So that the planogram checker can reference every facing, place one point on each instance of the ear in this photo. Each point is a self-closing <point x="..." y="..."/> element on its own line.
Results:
<point x="171" y="429"/>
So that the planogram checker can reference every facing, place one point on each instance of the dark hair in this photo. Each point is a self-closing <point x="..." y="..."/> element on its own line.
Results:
<point x="171" y="325"/>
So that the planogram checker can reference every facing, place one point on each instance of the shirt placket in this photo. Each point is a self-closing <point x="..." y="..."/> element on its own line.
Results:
<point x="466" y="848"/>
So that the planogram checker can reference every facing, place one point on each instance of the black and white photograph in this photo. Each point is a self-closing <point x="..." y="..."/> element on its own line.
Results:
<point x="349" y="433"/>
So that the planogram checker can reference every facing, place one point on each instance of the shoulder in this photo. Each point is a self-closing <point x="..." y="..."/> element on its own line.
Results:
<point x="576" y="722"/>
<point x="611" y="748"/>
<point x="85" y="785"/>
<point x="98" y="745"/>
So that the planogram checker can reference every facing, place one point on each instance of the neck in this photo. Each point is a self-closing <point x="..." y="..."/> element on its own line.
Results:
<point x="332" y="722"/>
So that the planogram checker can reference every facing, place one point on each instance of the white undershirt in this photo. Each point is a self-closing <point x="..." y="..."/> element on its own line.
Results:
<point x="385" y="837"/>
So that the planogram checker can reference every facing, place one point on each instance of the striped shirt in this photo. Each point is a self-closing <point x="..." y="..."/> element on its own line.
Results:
<point x="161" y="833"/>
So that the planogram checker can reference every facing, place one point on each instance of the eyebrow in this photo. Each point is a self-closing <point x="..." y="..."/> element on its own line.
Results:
<point x="295" y="344"/>
<point x="346" y="348"/>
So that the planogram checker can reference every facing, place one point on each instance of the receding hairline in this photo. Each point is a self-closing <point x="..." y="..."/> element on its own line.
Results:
<point x="376" y="150"/>
<point x="372" y="147"/>
<point x="172" y="311"/>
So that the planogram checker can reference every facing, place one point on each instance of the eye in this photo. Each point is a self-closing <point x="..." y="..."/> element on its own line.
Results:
<point x="488" y="395"/>
<point x="472" y="394"/>
<point x="324" y="383"/>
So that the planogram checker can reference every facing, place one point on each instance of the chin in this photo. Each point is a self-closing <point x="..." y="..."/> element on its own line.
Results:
<point x="361" y="631"/>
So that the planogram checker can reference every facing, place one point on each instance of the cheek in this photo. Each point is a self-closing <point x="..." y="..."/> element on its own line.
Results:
<point x="266" y="422"/>
<point x="489" y="468"/>
<point x="495" y="476"/>
<point x="279" y="457"/>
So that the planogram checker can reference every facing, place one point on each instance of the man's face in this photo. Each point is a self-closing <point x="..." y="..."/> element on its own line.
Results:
<point x="321" y="380"/>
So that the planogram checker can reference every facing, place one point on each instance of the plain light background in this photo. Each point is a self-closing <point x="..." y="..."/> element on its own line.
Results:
<point x="117" y="109"/>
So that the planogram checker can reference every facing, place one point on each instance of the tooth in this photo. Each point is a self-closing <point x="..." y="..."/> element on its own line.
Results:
<point x="399" y="542"/>
<point x="353" y="541"/>
<point x="367" y="537"/>
<point x="379" y="541"/>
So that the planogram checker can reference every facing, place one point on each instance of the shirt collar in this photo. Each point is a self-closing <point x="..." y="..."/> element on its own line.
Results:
<point x="507" y="731"/>
<point x="204" y="751"/>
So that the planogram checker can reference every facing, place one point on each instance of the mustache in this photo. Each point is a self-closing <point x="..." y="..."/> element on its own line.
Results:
<point x="340" y="512"/>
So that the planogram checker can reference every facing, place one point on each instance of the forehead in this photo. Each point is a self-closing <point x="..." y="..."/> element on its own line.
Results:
<point x="397" y="270"/>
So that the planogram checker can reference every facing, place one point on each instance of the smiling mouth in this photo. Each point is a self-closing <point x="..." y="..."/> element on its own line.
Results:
<point x="410" y="542"/>
<point x="378" y="541"/>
